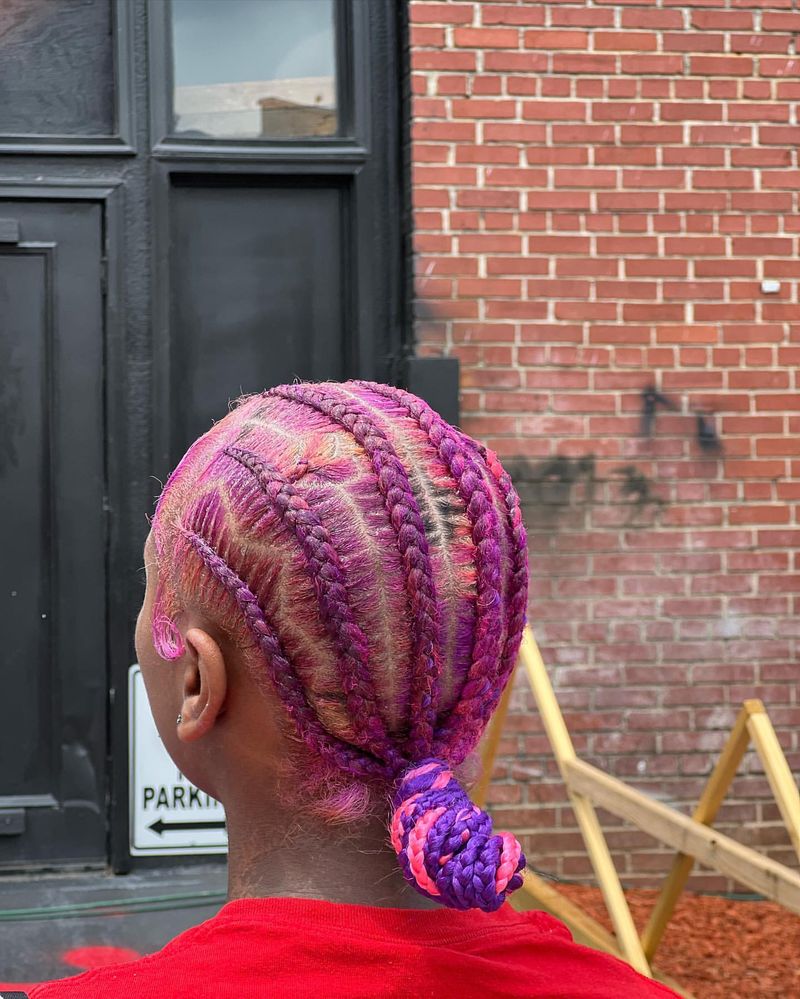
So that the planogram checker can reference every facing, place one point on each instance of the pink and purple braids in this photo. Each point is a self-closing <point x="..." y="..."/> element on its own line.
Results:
<point x="370" y="561"/>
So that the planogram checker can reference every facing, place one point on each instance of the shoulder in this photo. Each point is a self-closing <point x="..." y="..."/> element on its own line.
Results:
<point x="537" y="949"/>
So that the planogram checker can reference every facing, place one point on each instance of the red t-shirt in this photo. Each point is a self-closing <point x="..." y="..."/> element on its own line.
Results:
<point x="310" y="949"/>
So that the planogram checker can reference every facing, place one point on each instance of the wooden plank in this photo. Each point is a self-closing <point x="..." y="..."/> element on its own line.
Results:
<point x="553" y="720"/>
<point x="589" y="825"/>
<point x="585" y="928"/>
<point x="490" y="743"/>
<point x="778" y="773"/>
<point x="706" y="811"/>
<point x="683" y="833"/>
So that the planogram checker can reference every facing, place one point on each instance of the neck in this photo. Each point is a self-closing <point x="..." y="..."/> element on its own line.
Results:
<point x="274" y="853"/>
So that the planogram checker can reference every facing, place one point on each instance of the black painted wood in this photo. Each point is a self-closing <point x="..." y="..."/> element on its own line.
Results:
<point x="52" y="535"/>
<point x="256" y="277"/>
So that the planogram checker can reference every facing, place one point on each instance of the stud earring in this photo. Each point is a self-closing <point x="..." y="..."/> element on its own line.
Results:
<point x="179" y="719"/>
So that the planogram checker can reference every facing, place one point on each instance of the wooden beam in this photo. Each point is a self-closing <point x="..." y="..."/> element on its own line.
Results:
<point x="778" y="773"/>
<point x="596" y="846"/>
<point x="706" y="811"/>
<point x="683" y="833"/>
<point x="490" y="743"/>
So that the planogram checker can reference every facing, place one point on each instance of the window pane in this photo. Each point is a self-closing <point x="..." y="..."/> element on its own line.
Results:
<point x="253" y="69"/>
<point x="56" y="68"/>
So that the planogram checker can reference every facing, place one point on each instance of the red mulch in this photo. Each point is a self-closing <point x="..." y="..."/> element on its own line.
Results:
<point x="717" y="947"/>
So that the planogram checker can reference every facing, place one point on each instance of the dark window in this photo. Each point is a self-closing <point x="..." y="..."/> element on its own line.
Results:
<point x="56" y="68"/>
<point x="251" y="69"/>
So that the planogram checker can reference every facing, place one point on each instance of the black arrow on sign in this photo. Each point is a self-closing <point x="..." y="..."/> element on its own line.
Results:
<point x="160" y="826"/>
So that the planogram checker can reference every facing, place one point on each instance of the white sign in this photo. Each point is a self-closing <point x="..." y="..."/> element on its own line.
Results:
<point x="168" y="815"/>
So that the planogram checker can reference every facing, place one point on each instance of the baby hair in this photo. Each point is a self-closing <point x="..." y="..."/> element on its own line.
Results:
<point x="370" y="562"/>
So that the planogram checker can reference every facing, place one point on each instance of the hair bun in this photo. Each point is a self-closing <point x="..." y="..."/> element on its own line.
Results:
<point x="445" y="843"/>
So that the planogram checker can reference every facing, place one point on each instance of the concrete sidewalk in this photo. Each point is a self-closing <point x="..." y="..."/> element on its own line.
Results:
<point x="143" y="912"/>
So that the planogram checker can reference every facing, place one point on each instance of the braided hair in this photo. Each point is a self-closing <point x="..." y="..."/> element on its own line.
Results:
<point x="371" y="563"/>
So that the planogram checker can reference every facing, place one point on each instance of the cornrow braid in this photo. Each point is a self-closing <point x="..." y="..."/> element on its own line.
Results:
<point x="518" y="587"/>
<point x="406" y="519"/>
<point x="283" y="674"/>
<point x="481" y="691"/>
<point x="324" y="568"/>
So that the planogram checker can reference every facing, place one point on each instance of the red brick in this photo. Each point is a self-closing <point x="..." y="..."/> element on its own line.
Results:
<point x="516" y="177"/>
<point x="771" y="21"/>
<point x="481" y="38"/>
<point x="691" y="112"/>
<point x="622" y="111"/>
<point x="636" y="18"/>
<point x="488" y="199"/>
<point x="489" y="243"/>
<point x="580" y="16"/>
<point x="506" y="132"/>
<point x="753" y="514"/>
<point x="440" y="131"/>
<point x="762" y="246"/>
<point x="441" y="13"/>
<point x="583" y="63"/>
<point x="778" y="446"/>
<point x="779" y="67"/>
<point x="651" y="134"/>
<point x="478" y="108"/>
<point x="515" y="310"/>
<point x="758" y="112"/>
<point x="554" y="110"/>
<point x="442" y="60"/>
<point x="719" y="20"/>
<point x="508" y="14"/>
<point x="515" y="62"/>
<point x="451" y="86"/>
<point x="717" y="66"/>
<point x="486" y="154"/>
<point x="705" y="41"/>
<point x="556" y="41"/>
<point x="622" y="41"/>
<point x="425" y="36"/>
<point x="722" y="134"/>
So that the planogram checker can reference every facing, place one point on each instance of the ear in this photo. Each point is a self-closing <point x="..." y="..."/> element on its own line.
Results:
<point x="205" y="685"/>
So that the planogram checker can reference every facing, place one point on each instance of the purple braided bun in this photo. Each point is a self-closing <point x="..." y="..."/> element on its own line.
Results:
<point x="445" y="843"/>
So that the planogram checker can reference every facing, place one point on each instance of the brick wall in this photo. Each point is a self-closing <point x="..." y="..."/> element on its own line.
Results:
<point x="601" y="190"/>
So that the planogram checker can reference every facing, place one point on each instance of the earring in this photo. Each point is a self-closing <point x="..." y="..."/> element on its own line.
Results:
<point x="179" y="719"/>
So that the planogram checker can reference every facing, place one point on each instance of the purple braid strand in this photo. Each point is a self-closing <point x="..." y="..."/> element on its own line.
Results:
<point x="459" y="732"/>
<point x="518" y="587"/>
<point x="405" y="516"/>
<point x="324" y="568"/>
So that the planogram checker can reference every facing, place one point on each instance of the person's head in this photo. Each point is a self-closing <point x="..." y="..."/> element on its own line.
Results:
<point x="342" y="576"/>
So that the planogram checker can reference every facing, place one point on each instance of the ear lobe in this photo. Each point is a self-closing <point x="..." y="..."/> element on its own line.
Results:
<point x="205" y="686"/>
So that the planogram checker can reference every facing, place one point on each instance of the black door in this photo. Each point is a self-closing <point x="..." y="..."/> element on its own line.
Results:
<point x="198" y="198"/>
<point x="52" y="572"/>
